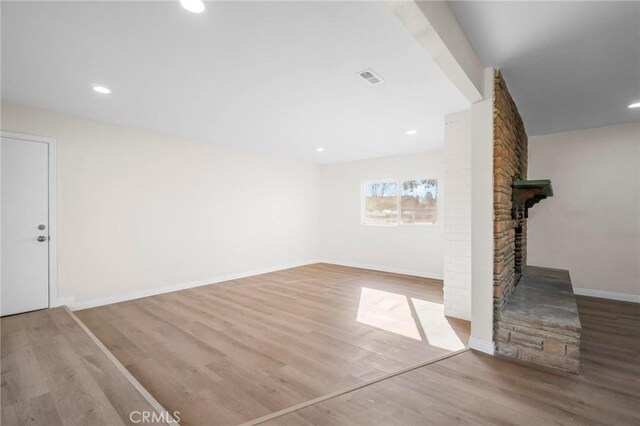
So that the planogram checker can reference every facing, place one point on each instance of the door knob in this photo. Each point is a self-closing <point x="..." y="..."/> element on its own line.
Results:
<point x="42" y="227"/>
<point x="42" y="238"/>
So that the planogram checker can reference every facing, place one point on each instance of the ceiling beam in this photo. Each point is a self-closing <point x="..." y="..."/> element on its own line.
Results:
<point x="433" y="25"/>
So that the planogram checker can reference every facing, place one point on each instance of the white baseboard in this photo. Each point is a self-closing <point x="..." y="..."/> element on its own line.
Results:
<point x="86" y="304"/>
<point x="624" y="297"/>
<point x="481" y="345"/>
<point x="168" y="289"/>
<point x="393" y="270"/>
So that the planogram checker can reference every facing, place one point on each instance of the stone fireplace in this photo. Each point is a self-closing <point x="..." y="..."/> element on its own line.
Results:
<point x="510" y="156"/>
<point x="535" y="312"/>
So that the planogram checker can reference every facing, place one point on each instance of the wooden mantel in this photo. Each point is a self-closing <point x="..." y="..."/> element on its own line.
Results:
<point x="528" y="192"/>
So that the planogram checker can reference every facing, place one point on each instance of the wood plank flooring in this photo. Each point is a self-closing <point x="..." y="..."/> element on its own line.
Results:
<point x="54" y="374"/>
<point x="473" y="388"/>
<point x="232" y="352"/>
<point x="238" y="351"/>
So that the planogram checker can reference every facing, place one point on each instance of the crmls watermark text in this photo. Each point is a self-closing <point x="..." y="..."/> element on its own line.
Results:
<point x="153" y="417"/>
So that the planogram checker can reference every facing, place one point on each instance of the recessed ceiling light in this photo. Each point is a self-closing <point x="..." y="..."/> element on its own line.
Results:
<point x="411" y="132"/>
<point x="320" y="149"/>
<point x="636" y="105"/>
<point x="102" y="89"/>
<point x="193" y="6"/>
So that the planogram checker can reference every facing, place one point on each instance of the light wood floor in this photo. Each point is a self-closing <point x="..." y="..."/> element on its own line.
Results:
<point x="236" y="351"/>
<point x="241" y="350"/>
<point x="54" y="374"/>
<point x="476" y="389"/>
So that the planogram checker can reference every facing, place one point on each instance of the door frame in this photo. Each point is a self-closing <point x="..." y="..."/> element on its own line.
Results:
<point x="53" y="207"/>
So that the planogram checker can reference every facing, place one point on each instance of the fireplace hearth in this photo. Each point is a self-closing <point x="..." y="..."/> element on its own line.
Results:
<point x="539" y="322"/>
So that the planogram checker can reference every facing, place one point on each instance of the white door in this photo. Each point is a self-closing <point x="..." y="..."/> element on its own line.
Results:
<point x="25" y="226"/>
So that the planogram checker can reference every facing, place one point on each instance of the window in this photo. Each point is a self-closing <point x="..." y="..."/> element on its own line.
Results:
<point x="406" y="202"/>
<point x="418" y="202"/>
<point x="381" y="205"/>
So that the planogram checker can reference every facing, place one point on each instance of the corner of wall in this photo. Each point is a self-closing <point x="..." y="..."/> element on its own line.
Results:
<point x="482" y="215"/>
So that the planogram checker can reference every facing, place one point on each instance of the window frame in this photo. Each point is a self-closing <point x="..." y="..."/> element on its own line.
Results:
<point x="398" y="181"/>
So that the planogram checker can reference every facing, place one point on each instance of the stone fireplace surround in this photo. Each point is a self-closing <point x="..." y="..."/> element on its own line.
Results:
<point x="535" y="312"/>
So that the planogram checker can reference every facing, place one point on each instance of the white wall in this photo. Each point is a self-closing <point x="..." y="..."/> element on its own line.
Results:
<point x="457" y="216"/>
<point x="412" y="249"/>
<point x="482" y="219"/>
<point x="140" y="211"/>
<point x="591" y="226"/>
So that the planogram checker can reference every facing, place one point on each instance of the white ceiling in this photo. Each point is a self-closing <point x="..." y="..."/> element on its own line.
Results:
<point x="272" y="77"/>
<point x="569" y="65"/>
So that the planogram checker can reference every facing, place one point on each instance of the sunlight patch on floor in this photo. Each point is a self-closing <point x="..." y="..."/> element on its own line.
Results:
<point x="411" y="317"/>
<point x="387" y="311"/>
<point x="436" y="327"/>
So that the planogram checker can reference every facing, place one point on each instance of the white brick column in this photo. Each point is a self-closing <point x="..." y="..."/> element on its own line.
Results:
<point x="457" y="216"/>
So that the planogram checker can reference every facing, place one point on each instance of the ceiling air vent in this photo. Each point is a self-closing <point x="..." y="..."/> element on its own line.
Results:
<point x="371" y="77"/>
